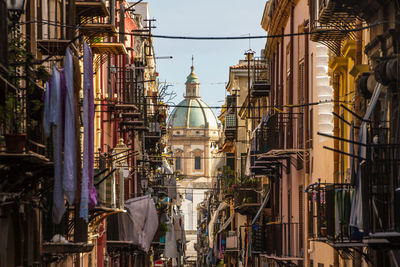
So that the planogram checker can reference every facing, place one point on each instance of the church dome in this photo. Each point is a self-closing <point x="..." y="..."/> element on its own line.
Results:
<point x="192" y="113"/>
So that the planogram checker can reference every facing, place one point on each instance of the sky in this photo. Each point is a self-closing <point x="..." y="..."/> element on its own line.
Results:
<point x="211" y="58"/>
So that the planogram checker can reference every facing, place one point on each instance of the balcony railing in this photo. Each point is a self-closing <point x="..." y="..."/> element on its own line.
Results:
<point x="230" y="126"/>
<point x="260" y="86"/>
<point x="329" y="207"/>
<point x="279" y="239"/>
<point x="92" y="8"/>
<point x="382" y="170"/>
<point x="232" y="241"/>
<point x="267" y="136"/>
<point x="329" y="23"/>
<point x="244" y="195"/>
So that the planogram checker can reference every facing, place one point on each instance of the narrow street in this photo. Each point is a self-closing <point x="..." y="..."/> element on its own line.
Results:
<point x="168" y="133"/>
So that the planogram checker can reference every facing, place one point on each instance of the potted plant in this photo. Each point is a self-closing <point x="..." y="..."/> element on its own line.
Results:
<point x="14" y="111"/>
<point x="11" y="114"/>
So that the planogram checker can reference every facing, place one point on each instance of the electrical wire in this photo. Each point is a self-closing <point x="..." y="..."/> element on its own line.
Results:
<point x="210" y="38"/>
<point x="244" y="106"/>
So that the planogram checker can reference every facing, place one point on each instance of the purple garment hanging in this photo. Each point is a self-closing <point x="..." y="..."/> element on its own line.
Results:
<point x="70" y="164"/>
<point x="56" y="121"/>
<point x="88" y="197"/>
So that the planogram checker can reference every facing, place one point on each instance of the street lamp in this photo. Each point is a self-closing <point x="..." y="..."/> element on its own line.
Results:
<point x="15" y="9"/>
<point x="17" y="6"/>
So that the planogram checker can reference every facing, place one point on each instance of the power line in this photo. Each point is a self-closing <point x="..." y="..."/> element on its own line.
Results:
<point x="210" y="38"/>
<point x="244" y="106"/>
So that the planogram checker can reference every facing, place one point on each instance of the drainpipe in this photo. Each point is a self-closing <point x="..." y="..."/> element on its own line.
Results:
<point x="306" y="142"/>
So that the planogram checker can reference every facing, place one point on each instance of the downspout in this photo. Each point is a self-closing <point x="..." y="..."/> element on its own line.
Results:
<point x="282" y="134"/>
<point x="306" y="142"/>
<point x="291" y="136"/>
<point x="336" y="89"/>
<point x="280" y="102"/>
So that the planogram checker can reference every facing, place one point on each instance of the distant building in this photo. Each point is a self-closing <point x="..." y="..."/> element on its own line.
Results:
<point x="193" y="132"/>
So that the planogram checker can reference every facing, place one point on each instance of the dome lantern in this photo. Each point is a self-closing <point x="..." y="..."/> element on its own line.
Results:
<point x="192" y="84"/>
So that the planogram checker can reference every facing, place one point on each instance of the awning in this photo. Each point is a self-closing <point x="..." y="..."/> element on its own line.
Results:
<point x="226" y="223"/>
<point x="261" y="207"/>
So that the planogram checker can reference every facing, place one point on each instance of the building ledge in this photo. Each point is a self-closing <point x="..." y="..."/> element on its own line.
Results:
<point x="346" y="244"/>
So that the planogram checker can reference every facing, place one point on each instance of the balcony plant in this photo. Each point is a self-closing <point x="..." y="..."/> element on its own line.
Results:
<point x="13" y="114"/>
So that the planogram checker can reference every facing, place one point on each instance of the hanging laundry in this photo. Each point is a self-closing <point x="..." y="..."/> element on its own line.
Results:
<point x="69" y="173"/>
<point x="56" y="122"/>
<point x="170" y="249"/>
<point x="88" y="192"/>
<point x="143" y="223"/>
<point x="77" y="89"/>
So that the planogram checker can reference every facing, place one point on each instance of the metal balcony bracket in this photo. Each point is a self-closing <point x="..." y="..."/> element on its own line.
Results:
<point x="99" y="213"/>
<point x="285" y="153"/>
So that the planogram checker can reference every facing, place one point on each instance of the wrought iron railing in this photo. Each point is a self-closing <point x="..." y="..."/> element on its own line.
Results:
<point x="278" y="239"/>
<point x="329" y="208"/>
<point x="245" y="194"/>
<point x="383" y="194"/>
<point x="260" y="85"/>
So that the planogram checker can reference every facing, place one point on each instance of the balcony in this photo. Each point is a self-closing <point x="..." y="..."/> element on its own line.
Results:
<point x="91" y="8"/>
<point x="246" y="199"/>
<point x="329" y="208"/>
<point x="260" y="71"/>
<point x="334" y="11"/>
<point x="98" y="29"/>
<point x="260" y="88"/>
<point x="230" y="126"/>
<point x="109" y="48"/>
<point x="329" y="23"/>
<point x="232" y="241"/>
<point x="282" y="242"/>
<point x="52" y="38"/>
<point x="267" y="137"/>
<point x="383" y="194"/>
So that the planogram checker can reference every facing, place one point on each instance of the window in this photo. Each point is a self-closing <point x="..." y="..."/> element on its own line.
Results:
<point x="197" y="165"/>
<point x="230" y="160"/>
<point x="177" y="163"/>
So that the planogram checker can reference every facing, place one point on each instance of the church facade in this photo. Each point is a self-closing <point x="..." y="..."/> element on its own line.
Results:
<point x="193" y="132"/>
